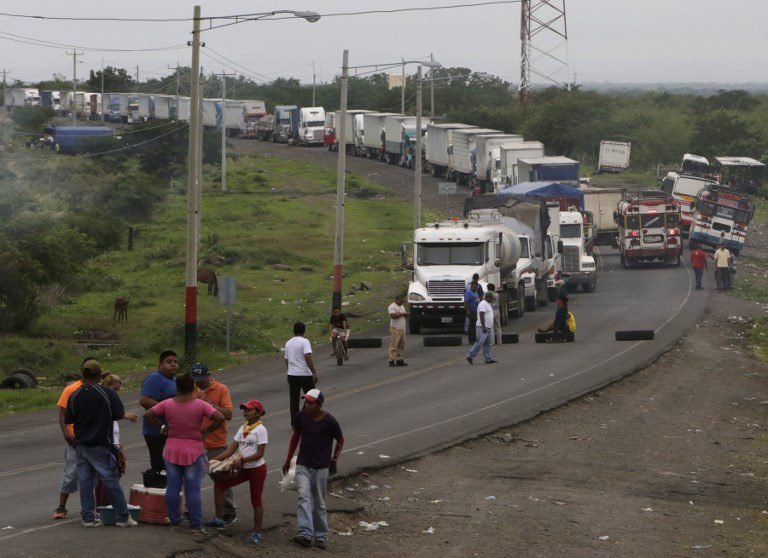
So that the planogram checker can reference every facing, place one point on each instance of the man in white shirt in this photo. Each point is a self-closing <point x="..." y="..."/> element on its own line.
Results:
<point x="496" y="314"/>
<point x="397" y="315"/>
<point x="484" y="327"/>
<point x="302" y="375"/>
<point x="722" y="259"/>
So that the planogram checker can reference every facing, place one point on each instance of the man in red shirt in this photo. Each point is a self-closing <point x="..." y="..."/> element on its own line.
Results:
<point x="699" y="264"/>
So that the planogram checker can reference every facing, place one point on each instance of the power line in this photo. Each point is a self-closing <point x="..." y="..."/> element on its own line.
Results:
<point x="4" y="35"/>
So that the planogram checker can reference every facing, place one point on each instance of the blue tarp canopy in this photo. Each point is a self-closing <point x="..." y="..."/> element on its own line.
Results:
<point x="544" y="190"/>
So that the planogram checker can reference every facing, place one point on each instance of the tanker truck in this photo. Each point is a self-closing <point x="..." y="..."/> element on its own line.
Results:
<point x="447" y="254"/>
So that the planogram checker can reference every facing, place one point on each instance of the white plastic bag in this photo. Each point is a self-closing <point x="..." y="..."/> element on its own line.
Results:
<point x="288" y="480"/>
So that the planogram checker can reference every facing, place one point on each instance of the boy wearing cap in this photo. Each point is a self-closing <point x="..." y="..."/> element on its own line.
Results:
<point x="251" y="443"/>
<point x="217" y="394"/>
<point x="314" y="431"/>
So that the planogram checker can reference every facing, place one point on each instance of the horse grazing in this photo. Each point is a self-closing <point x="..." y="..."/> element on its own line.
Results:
<point x="121" y="310"/>
<point x="208" y="277"/>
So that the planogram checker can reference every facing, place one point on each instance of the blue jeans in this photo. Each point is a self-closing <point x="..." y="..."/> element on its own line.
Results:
<point x="311" y="516"/>
<point x="484" y="340"/>
<point x="191" y="476"/>
<point x="698" y="273"/>
<point x="99" y="461"/>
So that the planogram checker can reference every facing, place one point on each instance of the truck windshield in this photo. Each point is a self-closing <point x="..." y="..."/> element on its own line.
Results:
<point x="570" y="231"/>
<point x="316" y="123"/>
<point x="450" y="254"/>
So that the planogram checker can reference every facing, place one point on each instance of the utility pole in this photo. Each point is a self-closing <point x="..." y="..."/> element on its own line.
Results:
<point x="4" y="74"/>
<point x="224" y="130"/>
<point x="432" y="88"/>
<point x="402" y="91"/>
<point x="178" y="86"/>
<point x="314" y="83"/>
<point x="74" y="54"/>
<point x="102" y="89"/>
<point x="137" y="78"/>
<point x="341" y="167"/>
<point x="193" y="186"/>
<point x="417" y="157"/>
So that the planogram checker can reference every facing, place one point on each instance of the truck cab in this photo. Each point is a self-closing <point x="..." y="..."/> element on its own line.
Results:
<point x="311" y="124"/>
<point x="578" y="266"/>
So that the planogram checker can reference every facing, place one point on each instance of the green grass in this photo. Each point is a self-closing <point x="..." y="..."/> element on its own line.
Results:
<point x="14" y="401"/>
<point x="275" y="212"/>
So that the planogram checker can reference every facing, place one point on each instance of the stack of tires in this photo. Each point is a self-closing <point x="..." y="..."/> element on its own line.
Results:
<point x="19" y="379"/>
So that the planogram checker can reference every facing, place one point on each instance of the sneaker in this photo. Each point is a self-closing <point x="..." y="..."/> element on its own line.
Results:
<point x="92" y="523"/>
<point x="216" y="522"/>
<point x="253" y="538"/>
<point x="130" y="522"/>
<point x="402" y="363"/>
<point x="392" y="363"/>
<point x="321" y="544"/>
<point x="229" y="518"/>
<point x="59" y="513"/>
<point x="469" y="359"/>
<point x="300" y="540"/>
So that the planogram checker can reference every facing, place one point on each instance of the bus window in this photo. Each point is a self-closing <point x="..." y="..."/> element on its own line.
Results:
<point x="673" y="219"/>
<point x="742" y="217"/>
<point x="725" y="212"/>
<point x="633" y="221"/>
<point x="653" y="220"/>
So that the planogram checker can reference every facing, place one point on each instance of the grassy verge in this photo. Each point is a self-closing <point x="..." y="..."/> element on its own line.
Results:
<point x="14" y="401"/>
<point x="273" y="232"/>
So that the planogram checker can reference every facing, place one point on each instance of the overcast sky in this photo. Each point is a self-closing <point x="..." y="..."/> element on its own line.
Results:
<point x="608" y="40"/>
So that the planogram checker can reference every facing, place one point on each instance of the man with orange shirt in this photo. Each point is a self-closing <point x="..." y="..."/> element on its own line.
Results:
<point x="69" y="478"/>
<point x="217" y="394"/>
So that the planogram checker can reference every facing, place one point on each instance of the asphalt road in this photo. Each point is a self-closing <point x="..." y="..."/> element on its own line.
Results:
<point x="387" y="414"/>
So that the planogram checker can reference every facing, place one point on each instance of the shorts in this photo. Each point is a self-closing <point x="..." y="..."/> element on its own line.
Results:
<point x="69" y="478"/>
<point x="255" y="478"/>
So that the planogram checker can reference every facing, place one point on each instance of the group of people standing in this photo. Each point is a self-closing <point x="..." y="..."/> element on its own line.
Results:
<point x="724" y="262"/>
<point x="185" y="430"/>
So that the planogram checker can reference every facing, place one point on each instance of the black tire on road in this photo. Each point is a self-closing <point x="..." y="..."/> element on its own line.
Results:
<point x="542" y="337"/>
<point x="443" y="340"/>
<point x="635" y="335"/>
<point x="28" y="373"/>
<point x="509" y="338"/>
<point x="364" y="343"/>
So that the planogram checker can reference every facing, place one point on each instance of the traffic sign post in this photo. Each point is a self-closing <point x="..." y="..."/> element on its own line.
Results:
<point x="227" y="296"/>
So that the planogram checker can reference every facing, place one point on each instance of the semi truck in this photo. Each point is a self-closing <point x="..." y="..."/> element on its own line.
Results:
<point x="396" y="127"/>
<point x="463" y="152"/>
<point x="577" y="265"/>
<point x="486" y="153"/>
<point x="497" y="239"/>
<point x="506" y="168"/>
<point x="649" y="228"/>
<point x="614" y="156"/>
<point x="558" y="169"/>
<point x="438" y="146"/>
<point x="600" y="204"/>
<point x="311" y="123"/>
<point x="286" y="123"/>
<point x="373" y="141"/>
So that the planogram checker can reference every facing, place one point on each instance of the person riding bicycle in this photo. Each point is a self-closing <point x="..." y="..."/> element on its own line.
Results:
<point x="338" y="329"/>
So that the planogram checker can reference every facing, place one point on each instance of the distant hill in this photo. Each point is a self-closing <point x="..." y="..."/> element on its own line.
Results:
<point x="701" y="88"/>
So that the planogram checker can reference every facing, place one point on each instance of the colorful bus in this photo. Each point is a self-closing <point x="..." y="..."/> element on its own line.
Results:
<point x="683" y="188"/>
<point x="649" y="228"/>
<point x="721" y="215"/>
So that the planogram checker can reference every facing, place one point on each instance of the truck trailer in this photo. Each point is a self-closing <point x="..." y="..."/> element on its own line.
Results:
<point x="438" y="146"/>
<point x="463" y="152"/>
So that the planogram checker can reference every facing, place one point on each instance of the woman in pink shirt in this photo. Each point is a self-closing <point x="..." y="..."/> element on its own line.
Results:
<point x="184" y="451"/>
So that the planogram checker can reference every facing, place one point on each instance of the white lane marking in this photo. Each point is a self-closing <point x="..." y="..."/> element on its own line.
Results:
<point x="33" y="529"/>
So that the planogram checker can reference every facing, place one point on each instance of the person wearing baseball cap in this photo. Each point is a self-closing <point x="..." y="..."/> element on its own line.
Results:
<point x="314" y="431"/>
<point x="248" y="447"/>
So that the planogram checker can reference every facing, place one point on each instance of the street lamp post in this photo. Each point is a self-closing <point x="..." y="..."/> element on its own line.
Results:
<point x="194" y="165"/>
<point x="341" y="165"/>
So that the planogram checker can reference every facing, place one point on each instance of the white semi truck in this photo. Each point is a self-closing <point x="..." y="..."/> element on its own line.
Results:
<point x="311" y="124"/>
<point x="486" y="154"/>
<point x="438" y="146"/>
<point x="463" y="151"/>
<point x="373" y="141"/>
<point x="577" y="265"/>
<point x="505" y="162"/>
<point x="495" y="242"/>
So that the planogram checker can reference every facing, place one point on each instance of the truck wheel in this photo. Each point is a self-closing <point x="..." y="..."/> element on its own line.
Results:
<point x="414" y="326"/>
<point x="530" y="304"/>
<point x="520" y="312"/>
<point x="588" y="287"/>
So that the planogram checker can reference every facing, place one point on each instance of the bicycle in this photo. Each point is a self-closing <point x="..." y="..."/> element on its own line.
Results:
<point x="339" y="346"/>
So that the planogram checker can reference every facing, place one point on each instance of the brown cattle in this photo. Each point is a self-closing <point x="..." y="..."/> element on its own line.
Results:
<point x="121" y="310"/>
